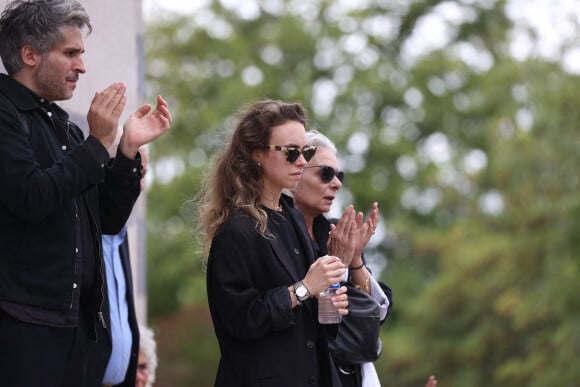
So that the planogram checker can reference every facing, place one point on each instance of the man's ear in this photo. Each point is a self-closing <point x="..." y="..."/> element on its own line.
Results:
<point x="30" y="56"/>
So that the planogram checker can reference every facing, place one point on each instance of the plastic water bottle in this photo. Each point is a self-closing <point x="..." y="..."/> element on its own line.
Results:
<point x="327" y="312"/>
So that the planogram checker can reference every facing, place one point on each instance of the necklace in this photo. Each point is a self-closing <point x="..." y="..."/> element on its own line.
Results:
<point x="271" y="197"/>
<point x="274" y="208"/>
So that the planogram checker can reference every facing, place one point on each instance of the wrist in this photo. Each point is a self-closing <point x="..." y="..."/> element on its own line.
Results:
<point x="357" y="260"/>
<point x="365" y="285"/>
<point x="129" y="150"/>
<point x="356" y="265"/>
<point x="301" y="292"/>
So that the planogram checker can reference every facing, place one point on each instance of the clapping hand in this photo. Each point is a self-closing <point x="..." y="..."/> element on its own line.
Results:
<point x="104" y="112"/>
<point x="344" y="236"/>
<point x="142" y="128"/>
<point x="366" y="229"/>
<point x="351" y="234"/>
<point x="431" y="382"/>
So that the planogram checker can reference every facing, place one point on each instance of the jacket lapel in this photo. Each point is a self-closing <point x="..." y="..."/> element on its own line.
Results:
<point x="302" y="234"/>
<point x="284" y="258"/>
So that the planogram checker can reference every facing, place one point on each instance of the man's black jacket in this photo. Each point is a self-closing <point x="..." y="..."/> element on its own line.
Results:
<point x="47" y="169"/>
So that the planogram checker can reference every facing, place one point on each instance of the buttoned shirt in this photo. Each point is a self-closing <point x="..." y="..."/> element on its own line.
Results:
<point x="118" y="309"/>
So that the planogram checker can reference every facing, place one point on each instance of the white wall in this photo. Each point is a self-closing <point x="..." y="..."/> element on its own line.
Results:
<point x="115" y="53"/>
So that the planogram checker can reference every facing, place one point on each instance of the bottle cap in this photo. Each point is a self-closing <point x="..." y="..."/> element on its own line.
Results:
<point x="334" y="286"/>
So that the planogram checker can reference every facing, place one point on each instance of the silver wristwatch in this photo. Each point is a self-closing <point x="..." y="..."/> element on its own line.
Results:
<point x="301" y="292"/>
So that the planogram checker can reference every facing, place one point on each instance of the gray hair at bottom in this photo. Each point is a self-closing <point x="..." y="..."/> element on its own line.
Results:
<point x="148" y="346"/>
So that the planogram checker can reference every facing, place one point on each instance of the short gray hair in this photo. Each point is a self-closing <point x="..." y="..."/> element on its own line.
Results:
<point x="319" y="140"/>
<point x="148" y="346"/>
<point x="39" y="24"/>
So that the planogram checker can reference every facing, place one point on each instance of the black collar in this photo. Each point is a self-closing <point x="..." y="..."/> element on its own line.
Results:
<point x="25" y="99"/>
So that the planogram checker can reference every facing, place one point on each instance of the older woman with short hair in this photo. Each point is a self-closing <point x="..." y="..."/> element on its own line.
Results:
<point x="345" y="238"/>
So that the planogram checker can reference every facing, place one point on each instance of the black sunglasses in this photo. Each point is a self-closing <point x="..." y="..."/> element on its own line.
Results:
<point x="327" y="173"/>
<point x="293" y="152"/>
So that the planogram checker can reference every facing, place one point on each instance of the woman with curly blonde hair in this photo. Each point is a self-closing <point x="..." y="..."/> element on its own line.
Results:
<point x="262" y="273"/>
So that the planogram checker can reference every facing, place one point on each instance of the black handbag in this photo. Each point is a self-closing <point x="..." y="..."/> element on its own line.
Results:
<point x="357" y="340"/>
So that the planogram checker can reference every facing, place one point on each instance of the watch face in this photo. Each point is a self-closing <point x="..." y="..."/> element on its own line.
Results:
<point x="301" y="291"/>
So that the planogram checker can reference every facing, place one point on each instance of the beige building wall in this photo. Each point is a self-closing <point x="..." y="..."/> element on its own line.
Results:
<point x="115" y="53"/>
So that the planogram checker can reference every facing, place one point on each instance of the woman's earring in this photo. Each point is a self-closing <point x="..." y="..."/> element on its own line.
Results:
<point x="259" y="164"/>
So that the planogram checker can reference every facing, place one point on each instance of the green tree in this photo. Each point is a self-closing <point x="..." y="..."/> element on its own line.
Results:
<point x="470" y="153"/>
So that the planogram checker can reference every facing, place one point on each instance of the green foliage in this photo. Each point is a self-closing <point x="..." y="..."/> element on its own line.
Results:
<point x="474" y="168"/>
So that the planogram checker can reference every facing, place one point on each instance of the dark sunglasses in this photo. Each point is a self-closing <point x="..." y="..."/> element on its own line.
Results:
<point x="327" y="173"/>
<point x="293" y="152"/>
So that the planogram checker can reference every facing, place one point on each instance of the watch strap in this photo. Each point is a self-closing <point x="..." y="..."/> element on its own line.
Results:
<point x="300" y="299"/>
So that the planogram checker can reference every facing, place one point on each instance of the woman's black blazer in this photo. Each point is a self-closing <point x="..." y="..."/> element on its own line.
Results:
<point x="263" y="341"/>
